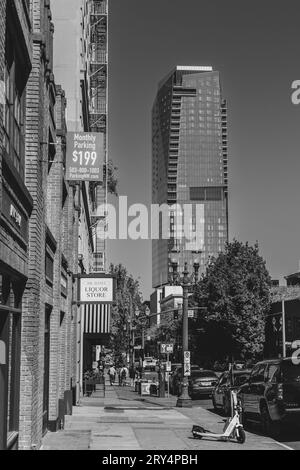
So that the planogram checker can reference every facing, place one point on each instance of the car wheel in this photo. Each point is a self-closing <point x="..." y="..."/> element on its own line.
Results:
<point x="269" y="427"/>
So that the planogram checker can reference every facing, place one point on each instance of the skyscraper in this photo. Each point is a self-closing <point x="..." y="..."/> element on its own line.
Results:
<point x="189" y="167"/>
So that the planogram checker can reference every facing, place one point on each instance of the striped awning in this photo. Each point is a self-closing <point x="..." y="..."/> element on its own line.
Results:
<point x="96" y="318"/>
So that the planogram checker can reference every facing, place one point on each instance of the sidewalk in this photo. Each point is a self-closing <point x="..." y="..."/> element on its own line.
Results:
<point x="123" y="420"/>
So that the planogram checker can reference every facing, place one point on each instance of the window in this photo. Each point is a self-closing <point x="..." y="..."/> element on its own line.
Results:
<point x="258" y="373"/>
<point x="14" y="107"/>
<point x="272" y="373"/>
<point x="49" y="266"/>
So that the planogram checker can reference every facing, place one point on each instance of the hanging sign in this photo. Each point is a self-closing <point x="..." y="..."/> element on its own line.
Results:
<point x="97" y="289"/>
<point x="84" y="156"/>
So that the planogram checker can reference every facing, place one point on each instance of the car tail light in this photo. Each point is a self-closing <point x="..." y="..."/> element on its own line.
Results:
<point x="280" y="392"/>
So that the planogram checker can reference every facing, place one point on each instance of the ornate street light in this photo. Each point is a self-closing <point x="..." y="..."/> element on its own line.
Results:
<point x="186" y="282"/>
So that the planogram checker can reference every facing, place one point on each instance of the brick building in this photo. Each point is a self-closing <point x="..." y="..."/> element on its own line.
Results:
<point x="41" y="219"/>
<point x="16" y="206"/>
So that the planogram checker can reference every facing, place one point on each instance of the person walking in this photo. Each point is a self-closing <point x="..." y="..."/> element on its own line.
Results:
<point x="112" y="374"/>
<point x="124" y="375"/>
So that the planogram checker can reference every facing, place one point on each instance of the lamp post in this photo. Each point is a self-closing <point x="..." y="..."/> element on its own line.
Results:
<point x="184" y="400"/>
<point x="146" y="315"/>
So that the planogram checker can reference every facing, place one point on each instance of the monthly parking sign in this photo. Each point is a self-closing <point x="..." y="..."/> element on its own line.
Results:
<point x="84" y="156"/>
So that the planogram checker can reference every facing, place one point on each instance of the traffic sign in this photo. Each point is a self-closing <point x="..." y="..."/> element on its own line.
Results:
<point x="187" y="369"/>
<point x="187" y="356"/>
<point x="166" y="348"/>
<point x="168" y="366"/>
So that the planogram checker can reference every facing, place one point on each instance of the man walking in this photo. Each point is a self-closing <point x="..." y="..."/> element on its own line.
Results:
<point x="112" y="374"/>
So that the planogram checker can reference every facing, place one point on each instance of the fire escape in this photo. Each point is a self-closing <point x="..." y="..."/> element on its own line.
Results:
<point x="97" y="77"/>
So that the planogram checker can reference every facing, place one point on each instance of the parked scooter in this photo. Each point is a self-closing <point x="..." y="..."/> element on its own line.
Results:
<point x="233" y="429"/>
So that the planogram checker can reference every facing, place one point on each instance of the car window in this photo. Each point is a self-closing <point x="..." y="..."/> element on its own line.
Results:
<point x="223" y="379"/>
<point x="290" y="372"/>
<point x="203" y="373"/>
<point x="240" y="379"/>
<point x="272" y="373"/>
<point x="258" y="373"/>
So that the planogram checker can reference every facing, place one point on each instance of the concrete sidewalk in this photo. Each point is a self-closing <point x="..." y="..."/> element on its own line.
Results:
<point x="123" y="420"/>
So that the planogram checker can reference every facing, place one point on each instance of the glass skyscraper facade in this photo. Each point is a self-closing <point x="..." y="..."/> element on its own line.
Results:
<point x="189" y="168"/>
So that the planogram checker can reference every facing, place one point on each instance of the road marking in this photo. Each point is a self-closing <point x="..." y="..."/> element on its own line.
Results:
<point x="283" y="445"/>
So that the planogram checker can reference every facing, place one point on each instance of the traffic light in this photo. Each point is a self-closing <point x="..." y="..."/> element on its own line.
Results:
<point x="176" y="314"/>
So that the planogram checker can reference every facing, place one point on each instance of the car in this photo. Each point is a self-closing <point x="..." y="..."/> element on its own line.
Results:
<point x="202" y="382"/>
<point x="271" y="395"/>
<point x="149" y="363"/>
<point x="176" y="379"/>
<point x="221" y="397"/>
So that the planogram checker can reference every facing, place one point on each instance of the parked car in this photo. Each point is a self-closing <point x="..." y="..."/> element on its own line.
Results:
<point x="202" y="382"/>
<point x="149" y="363"/>
<point x="176" y="379"/>
<point x="221" y="396"/>
<point x="272" y="394"/>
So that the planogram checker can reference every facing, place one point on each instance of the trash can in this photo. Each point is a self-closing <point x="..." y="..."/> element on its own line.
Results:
<point x="145" y="388"/>
<point x="154" y="390"/>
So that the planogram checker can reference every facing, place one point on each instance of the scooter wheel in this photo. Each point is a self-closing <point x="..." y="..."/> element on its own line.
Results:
<point x="240" y="435"/>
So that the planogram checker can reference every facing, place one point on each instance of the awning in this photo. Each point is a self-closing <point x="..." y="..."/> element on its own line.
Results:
<point x="96" y="318"/>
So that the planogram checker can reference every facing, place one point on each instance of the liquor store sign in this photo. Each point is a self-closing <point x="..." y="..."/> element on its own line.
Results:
<point x="85" y="156"/>
<point x="97" y="289"/>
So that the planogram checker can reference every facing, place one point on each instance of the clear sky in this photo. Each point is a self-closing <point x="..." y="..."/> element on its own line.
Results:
<point x="256" y="47"/>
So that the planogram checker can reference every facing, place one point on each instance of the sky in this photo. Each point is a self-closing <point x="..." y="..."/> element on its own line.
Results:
<point x="255" y="45"/>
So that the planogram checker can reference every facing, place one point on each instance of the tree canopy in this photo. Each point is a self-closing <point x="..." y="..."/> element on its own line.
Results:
<point x="128" y="299"/>
<point x="236" y="293"/>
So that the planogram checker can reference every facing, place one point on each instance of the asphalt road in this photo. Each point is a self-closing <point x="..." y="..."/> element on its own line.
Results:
<point x="290" y="437"/>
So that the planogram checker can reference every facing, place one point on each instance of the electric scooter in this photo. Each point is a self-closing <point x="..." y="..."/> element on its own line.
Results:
<point x="233" y="428"/>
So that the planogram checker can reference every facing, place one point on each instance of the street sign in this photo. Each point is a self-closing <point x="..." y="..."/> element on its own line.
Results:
<point x="191" y="313"/>
<point x="187" y="356"/>
<point x="187" y="369"/>
<point x="85" y="156"/>
<point x="168" y="366"/>
<point x="166" y="348"/>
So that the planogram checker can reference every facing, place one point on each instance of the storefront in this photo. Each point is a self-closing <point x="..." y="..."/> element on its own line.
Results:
<point x="12" y="288"/>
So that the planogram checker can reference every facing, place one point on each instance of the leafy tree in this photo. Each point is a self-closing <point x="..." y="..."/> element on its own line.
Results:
<point x="236" y="293"/>
<point x="110" y="177"/>
<point x="128" y="299"/>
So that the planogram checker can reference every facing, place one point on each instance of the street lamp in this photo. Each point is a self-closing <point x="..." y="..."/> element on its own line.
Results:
<point x="146" y="315"/>
<point x="186" y="281"/>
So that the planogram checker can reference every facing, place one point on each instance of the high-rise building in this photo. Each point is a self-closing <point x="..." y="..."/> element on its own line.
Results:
<point x="189" y="167"/>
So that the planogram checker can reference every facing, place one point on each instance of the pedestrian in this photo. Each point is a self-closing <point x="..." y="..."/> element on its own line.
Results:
<point x="132" y="375"/>
<point x="112" y="374"/>
<point x="124" y="375"/>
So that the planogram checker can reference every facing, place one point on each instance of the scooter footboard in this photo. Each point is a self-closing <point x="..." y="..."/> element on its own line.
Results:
<point x="199" y="429"/>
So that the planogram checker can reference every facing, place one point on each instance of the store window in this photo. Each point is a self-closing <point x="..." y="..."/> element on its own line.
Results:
<point x="11" y="291"/>
<point x="14" y="106"/>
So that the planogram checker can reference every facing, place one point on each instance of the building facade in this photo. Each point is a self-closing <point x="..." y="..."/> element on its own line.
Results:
<point x="16" y="205"/>
<point x="189" y="169"/>
<point x="45" y="234"/>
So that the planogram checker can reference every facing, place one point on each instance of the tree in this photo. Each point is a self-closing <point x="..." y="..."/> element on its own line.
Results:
<point x="110" y="178"/>
<point x="236" y="293"/>
<point x="128" y="298"/>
